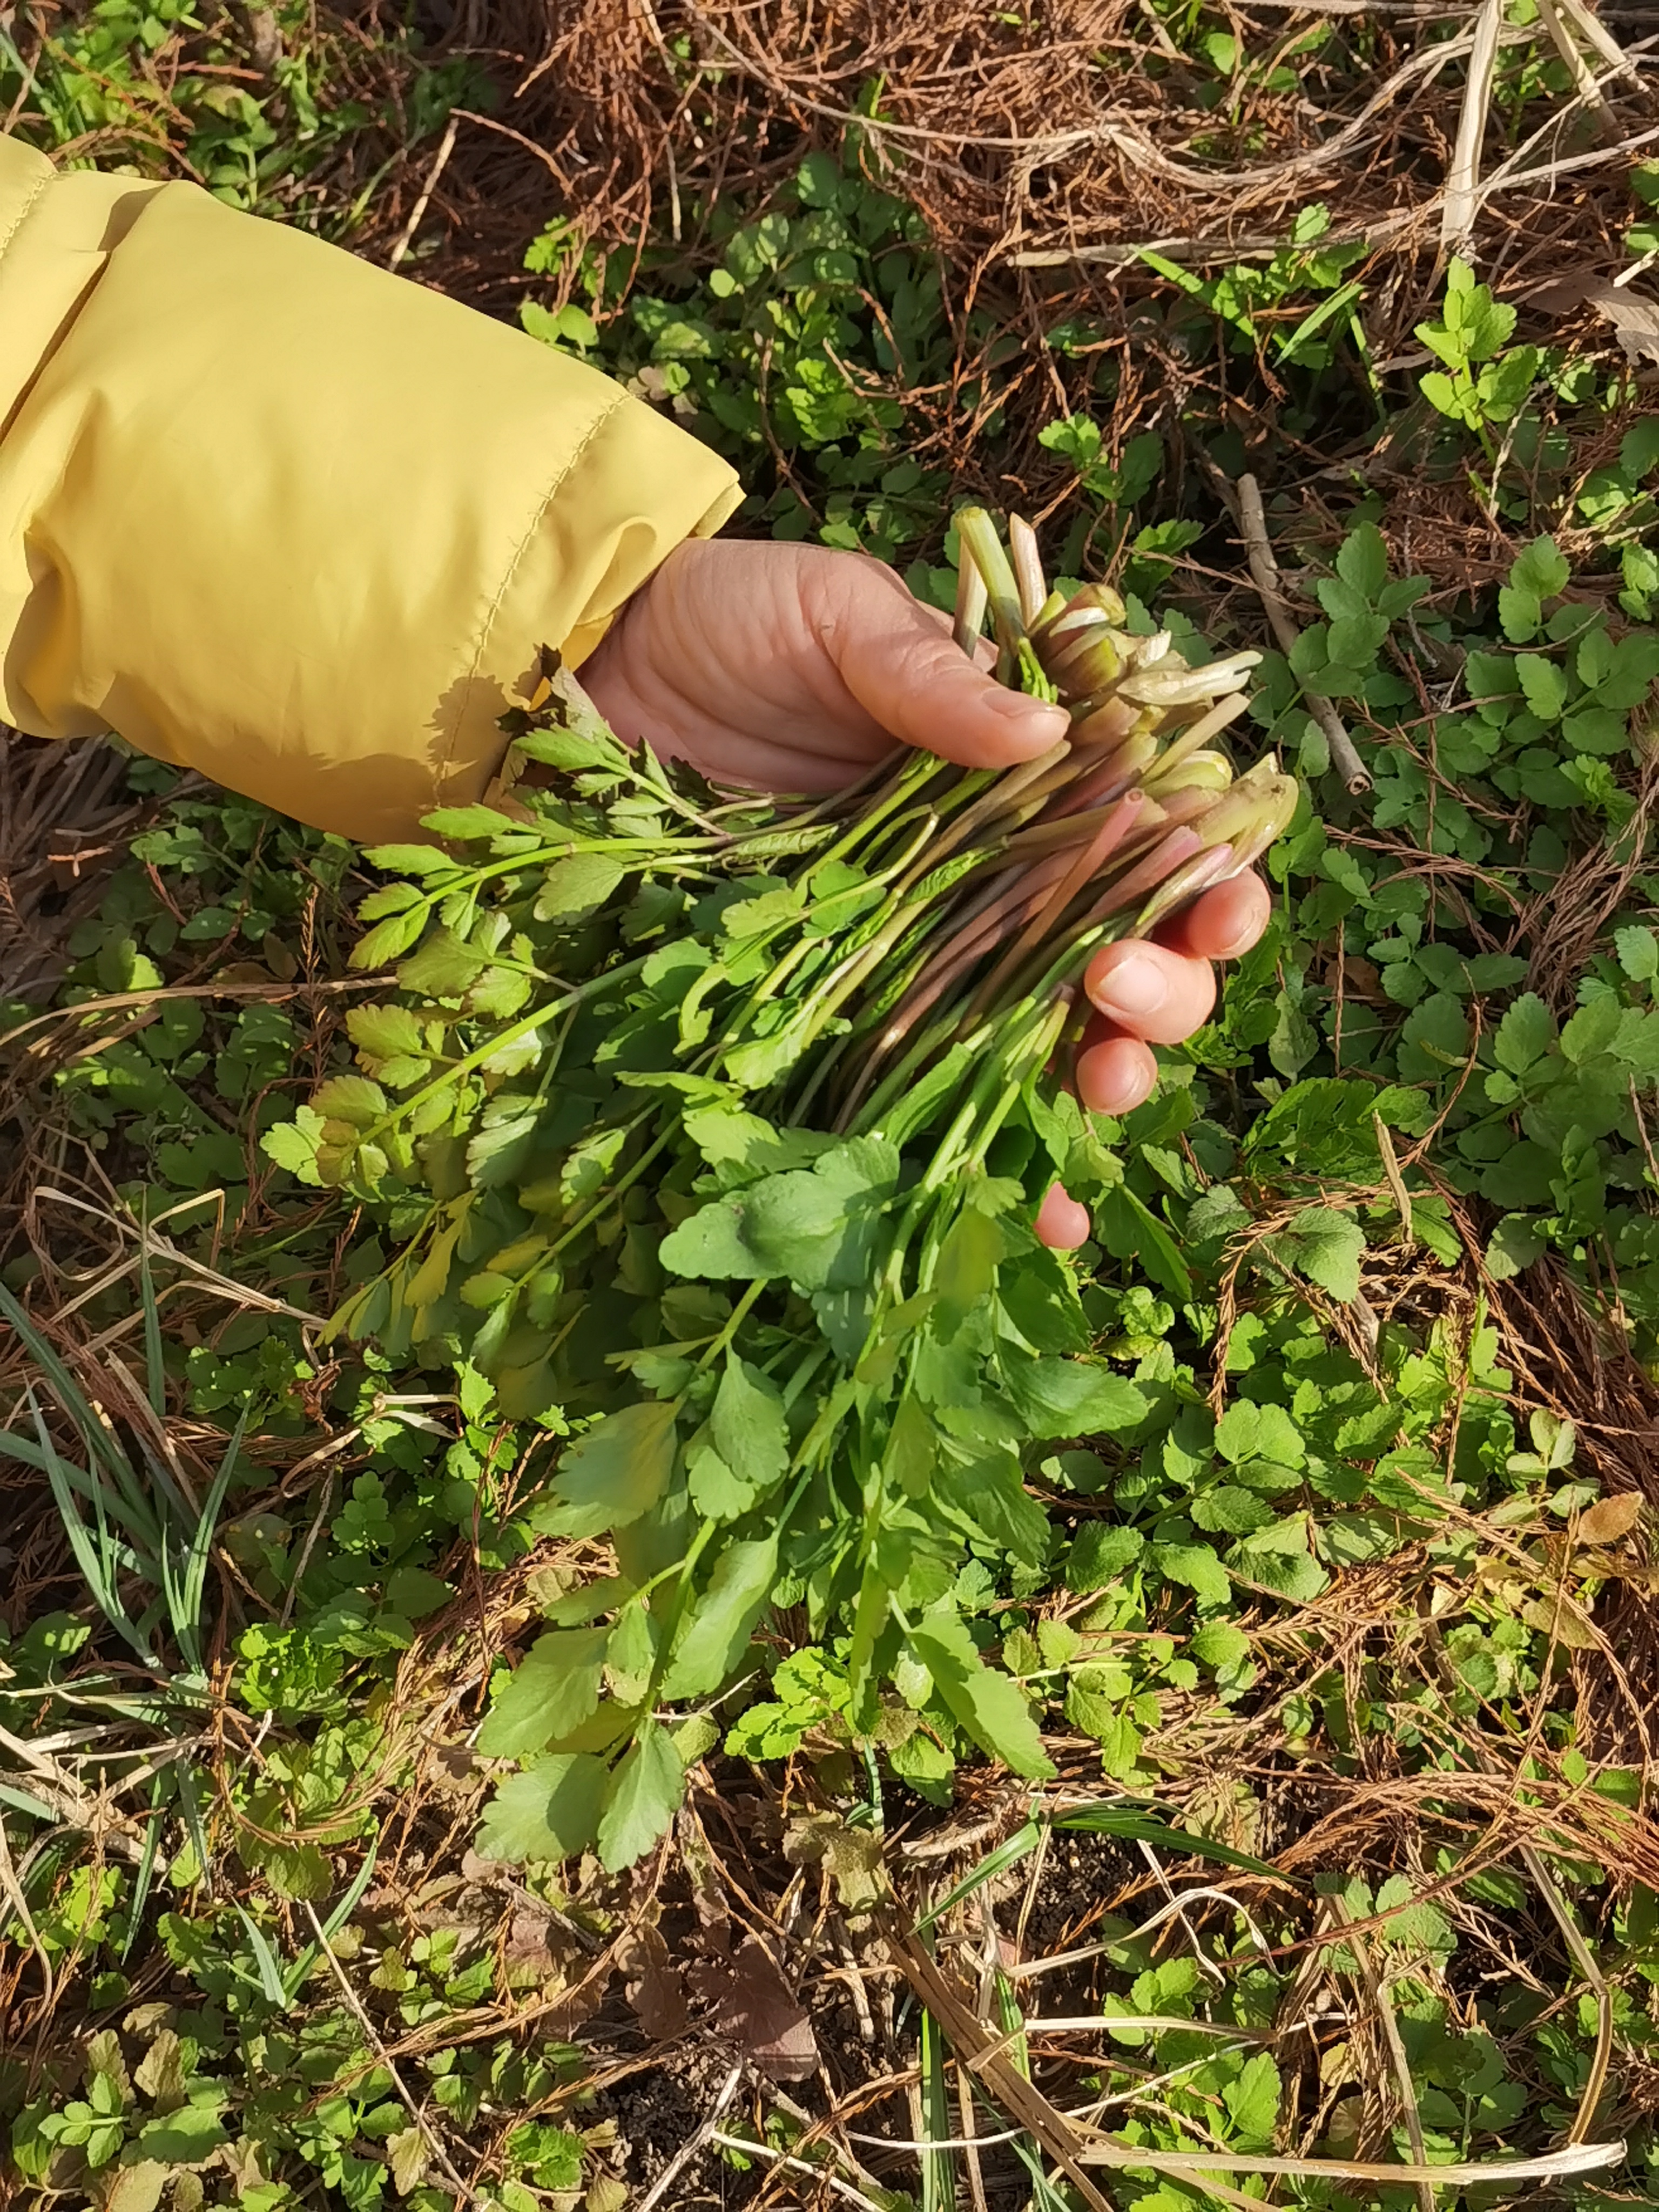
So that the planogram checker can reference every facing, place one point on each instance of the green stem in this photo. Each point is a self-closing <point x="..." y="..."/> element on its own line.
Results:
<point x="525" y="1026"/>
<point x="670" y="1625"/>
<point x="622" y="1184"/>
<point x="739" y="1314"/>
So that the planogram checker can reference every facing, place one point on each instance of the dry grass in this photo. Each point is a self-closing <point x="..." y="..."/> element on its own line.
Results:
<point x="66" y="816"/>
<point x="1032" y="142"/>
<point x="737" y="1974"/>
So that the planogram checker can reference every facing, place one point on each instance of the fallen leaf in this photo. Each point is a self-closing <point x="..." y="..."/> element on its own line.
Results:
<point x="161" y="2072"/>
<point x="652" y="1985"/>
<point x="452" y="1766"/>
<point x="1610" y="1518"/>
<point x="410" y="2155"/>
<point x="528" y="1935"/>
<point x="750" y="2003"/>
<point x="853" y="1856"/>
<point x="136" y="2188"/>
<point x="104" y="2057"/>
<point x="1569" y="1624"/>
<point x="1635" y="319"/>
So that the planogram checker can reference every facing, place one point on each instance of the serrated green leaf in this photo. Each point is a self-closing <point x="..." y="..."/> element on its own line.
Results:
<point x="187" y="2136"/>
<point x="1525" y="1034"/>
<point x="612" y="1475"/>
<point x="1252" y="2099"/>
<point x="716" y="1493"/>
<point x="421" y="860"/>
<point x="554" y="1688"/>
<point x="985" y="1703"/>
<point x="1131" y="1230"/>
<point x="576" y="886"/>
<point x="1519" y="613"/>
<point x="1592" y="1027"/>
<point x="570" y="749"/>
<point x="967" y="1266"/>
<point x="1415" y="1923"/>
<point x="1362" y="559"/>
<point x="1355" y="641"/>
<point x="641" y="1799"/>
<point x="1638" y="952"/>
<point x="466" y="824"/>
<point x="1542" y="569"/>
<point x="1101" y="1554"/>
<point x="385" y="1032"/>
<point x="1514" y="1246"/>
<point x="1543" y="684"/>
<point x="1230" y="1509"/>
<point x="550" y="1811"/>
<point x="292" y="1145"/>
<point x="1220" y="1645"/>
<point x="443" y="967"/>
<point x="1249" y="1431"/>
<point x="991" y="1493"/>
<point x="1635" y="665"/>
<point x="750" y="1429"/>
<point x="1072" y="1397"/>
<point x="350" y="1098"/>
<point x="1325" y="1246"/>
<point x="1197" y="1567"/>
<point x="723" y="1619"/>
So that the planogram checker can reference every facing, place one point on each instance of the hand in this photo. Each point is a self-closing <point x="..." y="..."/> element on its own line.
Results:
<point x="794" y="668"/>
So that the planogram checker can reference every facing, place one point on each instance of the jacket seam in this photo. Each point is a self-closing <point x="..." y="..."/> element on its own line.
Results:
<point x="486" y="627"/>
<point x="8" y="237"/>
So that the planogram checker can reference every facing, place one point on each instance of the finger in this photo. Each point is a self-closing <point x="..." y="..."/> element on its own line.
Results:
<point x="1148" y="992"/>
<point x="767" y="764"/>
<point x="898" y="660"/>
<point x="1114" y="1074"/>
<point x="1225" y="923"/>
<point x="1061" y="1223"/>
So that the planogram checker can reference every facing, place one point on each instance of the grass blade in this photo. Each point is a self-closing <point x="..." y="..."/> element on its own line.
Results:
<point x="272" y="1984"/>
<point x="938" y="2160"/>
<point x="294" y="1979"/>
<point x="1136" y="1827"/>
<point x="1020" y="1846"/>
<point x="98" y="1562"/>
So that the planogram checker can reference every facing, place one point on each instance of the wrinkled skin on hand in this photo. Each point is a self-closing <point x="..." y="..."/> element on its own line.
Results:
<point x="794" y="668"/>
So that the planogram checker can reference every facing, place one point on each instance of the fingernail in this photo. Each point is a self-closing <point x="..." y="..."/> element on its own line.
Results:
<point x="1112" y="1088"/>
<point x="1137" y="1092"/>
<point x="1133" y="988"/>
<point x="1035" y="713"/>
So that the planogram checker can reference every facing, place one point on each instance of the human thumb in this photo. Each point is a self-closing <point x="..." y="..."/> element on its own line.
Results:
<point x="899" y="660"/>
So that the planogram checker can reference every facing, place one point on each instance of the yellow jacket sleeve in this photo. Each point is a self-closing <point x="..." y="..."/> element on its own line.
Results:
<point x="272" y="513"/>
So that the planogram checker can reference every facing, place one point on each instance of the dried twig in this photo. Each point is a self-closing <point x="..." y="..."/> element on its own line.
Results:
<point x="1462" y="2173"/>
<point x="427" y="2133"/>
<point x="978" y="2050"/>
<point x="1584" y="76"/>
<point x="694" y="2144"/>
<point x="1264" y="573"/>
<point x="406" y="236"/>
<point x="1461" y="201"/>
<point x="1382" y="2006"/>
<point x="752" y="2148"/>
<point x="1584" y="1959"/>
